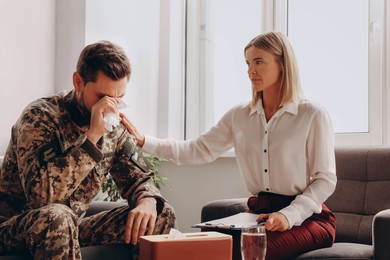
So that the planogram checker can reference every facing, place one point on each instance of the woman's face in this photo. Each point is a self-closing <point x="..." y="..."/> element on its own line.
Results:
<point x="264" y="69"/>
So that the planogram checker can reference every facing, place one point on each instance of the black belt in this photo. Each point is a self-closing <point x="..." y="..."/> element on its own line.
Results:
<point x="266" y="202"/>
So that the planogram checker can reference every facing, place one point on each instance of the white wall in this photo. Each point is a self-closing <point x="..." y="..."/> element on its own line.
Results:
<point x="70" y="40"/>
<point x="190" y="187"/>
<point x="26" y="58"/>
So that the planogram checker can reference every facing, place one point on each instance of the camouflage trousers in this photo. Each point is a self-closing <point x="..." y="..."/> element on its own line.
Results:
<point x="55" y="232"/>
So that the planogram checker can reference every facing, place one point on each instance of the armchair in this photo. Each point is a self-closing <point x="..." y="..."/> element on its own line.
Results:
<point x="361" y="203"/>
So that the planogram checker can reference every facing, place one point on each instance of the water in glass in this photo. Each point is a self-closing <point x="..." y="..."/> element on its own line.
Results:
<point x="253" y="243"/>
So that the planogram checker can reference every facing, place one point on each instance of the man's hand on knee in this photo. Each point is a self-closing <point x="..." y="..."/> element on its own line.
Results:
<point x="141" y="220"/>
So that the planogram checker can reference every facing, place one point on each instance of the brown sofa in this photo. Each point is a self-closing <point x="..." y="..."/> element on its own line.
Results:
<point x="361" y="203"/>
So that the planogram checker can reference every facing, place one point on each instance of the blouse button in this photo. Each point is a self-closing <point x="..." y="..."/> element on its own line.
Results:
<point x="267" y="189"/>
<point x="265" y="170"/>
<point x="265" y="150"/>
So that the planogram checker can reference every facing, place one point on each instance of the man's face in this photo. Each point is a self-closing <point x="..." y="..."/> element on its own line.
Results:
<point x="89" y="94"/>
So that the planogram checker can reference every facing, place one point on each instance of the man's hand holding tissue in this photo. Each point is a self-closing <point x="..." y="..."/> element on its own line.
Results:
<point x="141" y="220"/>
<point x="97" y="129"/>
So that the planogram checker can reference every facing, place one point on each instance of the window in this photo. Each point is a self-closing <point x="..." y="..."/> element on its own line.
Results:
<point x="340" y="62"/>
<point x="217" y="32"/>
<point x="152" y="34"/>
<point x="189" y="67"/>
<point x="338" y="43"/>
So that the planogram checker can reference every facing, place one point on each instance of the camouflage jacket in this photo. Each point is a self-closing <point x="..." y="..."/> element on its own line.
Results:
<point x="50" y="160"/>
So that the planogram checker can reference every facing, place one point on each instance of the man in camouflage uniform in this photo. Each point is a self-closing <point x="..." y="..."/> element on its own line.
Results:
<point x="57" y="159"/>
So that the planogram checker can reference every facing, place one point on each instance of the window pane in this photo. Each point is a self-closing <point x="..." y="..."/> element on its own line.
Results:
<point x="331" y="40"/>
<point x="135" y="26"/>
<point x="230" y="25"/>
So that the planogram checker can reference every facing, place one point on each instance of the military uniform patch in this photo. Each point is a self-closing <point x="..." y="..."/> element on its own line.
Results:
<point x="138" y="159"/>
<point x="48" y="152"/>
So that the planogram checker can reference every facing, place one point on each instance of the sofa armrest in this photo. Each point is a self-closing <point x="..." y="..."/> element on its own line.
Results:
<point x="223" y="208"/>
<point x="381" y="235"/>
<point x="99" y="206"/>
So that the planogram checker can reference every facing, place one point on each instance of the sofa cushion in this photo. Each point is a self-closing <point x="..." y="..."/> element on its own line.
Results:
<point x="226" y="207"/>
<point x="361" y="191"/>
<point x="119" y="251"/>
<point x="340" y="251"/>
<point x="378" y="176"/>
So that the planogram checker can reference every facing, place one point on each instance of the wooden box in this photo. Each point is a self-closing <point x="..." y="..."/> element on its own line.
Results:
<point x="193" y="246"/>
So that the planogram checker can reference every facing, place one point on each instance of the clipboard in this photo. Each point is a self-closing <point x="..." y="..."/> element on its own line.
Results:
<point x="234" y="222"/>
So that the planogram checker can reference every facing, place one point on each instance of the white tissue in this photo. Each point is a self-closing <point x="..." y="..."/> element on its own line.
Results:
<point x="174" y="233"/>
<point x="112" y="120"/>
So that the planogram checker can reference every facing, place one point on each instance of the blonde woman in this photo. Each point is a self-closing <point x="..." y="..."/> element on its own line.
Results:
<point x="284" y="147"/>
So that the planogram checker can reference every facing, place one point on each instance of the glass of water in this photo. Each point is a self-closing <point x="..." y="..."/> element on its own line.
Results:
<point x="253" y="243"/>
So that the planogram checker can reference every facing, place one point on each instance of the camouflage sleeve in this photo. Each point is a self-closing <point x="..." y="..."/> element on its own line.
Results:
<point x="49" y="174"/>
<point x="133" y="182"/>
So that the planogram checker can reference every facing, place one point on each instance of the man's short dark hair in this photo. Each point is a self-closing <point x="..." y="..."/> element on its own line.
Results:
<point x="106" y="57"/>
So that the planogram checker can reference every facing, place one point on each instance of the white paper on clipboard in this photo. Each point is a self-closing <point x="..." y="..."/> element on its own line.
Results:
<point x="237" y="221"/>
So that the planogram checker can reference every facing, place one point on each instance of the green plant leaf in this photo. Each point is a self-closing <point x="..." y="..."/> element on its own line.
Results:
<point x="111" y="191"/>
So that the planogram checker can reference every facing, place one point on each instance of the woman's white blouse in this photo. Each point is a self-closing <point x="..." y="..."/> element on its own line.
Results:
<point x="291" y="154"/>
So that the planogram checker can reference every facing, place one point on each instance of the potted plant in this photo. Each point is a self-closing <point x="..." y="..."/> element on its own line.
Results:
<point x="110" y="191"/>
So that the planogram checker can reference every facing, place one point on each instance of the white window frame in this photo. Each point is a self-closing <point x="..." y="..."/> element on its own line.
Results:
<point x="171" y="90"/>
<point x="376" y="102"/>
<point x="199" y="99"/>
<point x="199" y="89"/>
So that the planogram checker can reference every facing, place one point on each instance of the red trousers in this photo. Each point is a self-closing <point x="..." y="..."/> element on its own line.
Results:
<point x="316" y="232"/>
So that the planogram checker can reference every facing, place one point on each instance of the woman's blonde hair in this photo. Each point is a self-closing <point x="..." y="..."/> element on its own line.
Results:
<point x="277" y="43"/>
